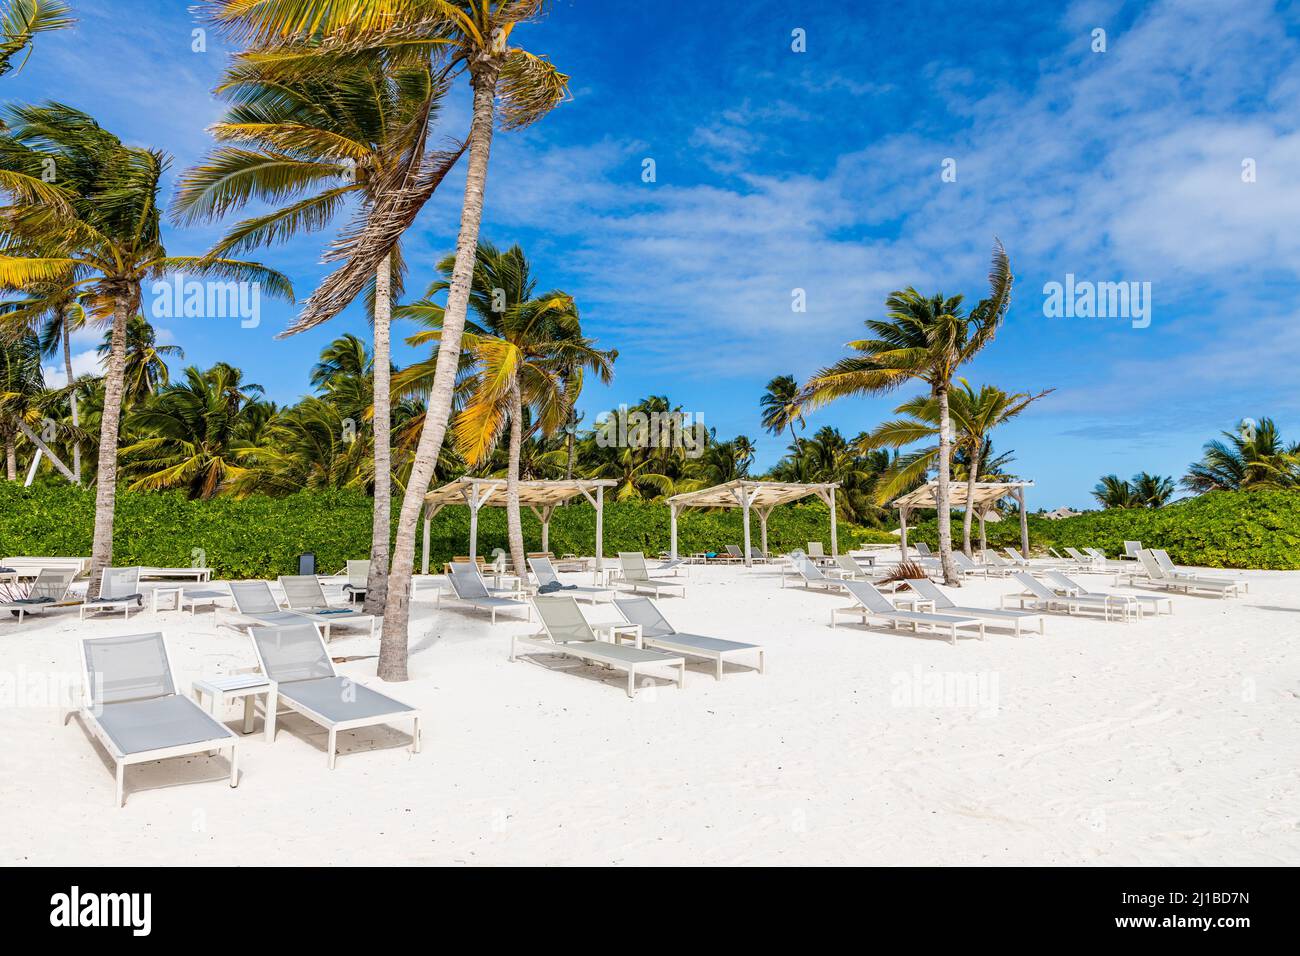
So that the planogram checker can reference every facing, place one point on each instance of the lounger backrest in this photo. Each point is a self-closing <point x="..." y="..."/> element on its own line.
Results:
<point x="815" y="550"/>
<point x="846" y="563"/>
<point x="1077" y="555"/>
<point x="1094" y="553"/>
<point x="120" y="583"/>
<point x="1061" y="581"/>
<point x="467" y="584"/>
<point x="633" y="563"/>
<point x="806" y="568"/>
<point x="995" y="559"/>
<point x="928" y="590"/>
<point x="1015" y="555"/>
<point x="1162" y="559"/>
<point x="1151" y="565"/>
<point x="1034" y="586"/>
<point x="52" y="583"/>
<point x="923" y="549"/>
<point x="867" y="595"/>
<point x="963" y="561"/>
<point x="641" y="610"/>
<point x="358" y="573"/>
<point x="734" y="550"/>
<point x="131" y="667"/>
<point x="544" y="571"/>
<point x="563" y="619"/>
<point x="253" y="597"/>
<point x="292" y="652"/>
<point x="1132" y="548"/>
<point x="302" y="590"/>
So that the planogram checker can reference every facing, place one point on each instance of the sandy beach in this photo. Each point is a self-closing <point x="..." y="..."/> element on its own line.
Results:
<point x="1169" y="741"/>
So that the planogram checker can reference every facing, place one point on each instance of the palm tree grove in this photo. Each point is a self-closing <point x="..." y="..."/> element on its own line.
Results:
<point x="858" y="409"/>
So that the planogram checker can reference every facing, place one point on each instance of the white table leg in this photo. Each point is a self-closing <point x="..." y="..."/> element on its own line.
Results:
<point x="248" y="713"/>
<point x="268" y="721"/>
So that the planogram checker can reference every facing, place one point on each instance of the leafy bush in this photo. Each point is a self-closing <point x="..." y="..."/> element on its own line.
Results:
<point x="259" y="537"/>
<point x="1222" y="529"/>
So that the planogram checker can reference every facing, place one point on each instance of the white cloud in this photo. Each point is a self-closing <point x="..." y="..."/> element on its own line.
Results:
<point x="83" y="363"/>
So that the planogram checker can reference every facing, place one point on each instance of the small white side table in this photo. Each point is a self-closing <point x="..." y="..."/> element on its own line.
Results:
<point x="188" y="594"/>
<point x="234" y="686"/>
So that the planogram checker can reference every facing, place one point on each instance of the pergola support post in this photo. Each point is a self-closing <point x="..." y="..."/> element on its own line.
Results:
<point x="745" y="499"/>
<point x="902" y="531"/>
<point x="835" y="541"/>
<point x="984" y="541"/>
<point x="672" y="531"/>
<point x="763" y="515"/>
<point x="600" y="528"/>
<point x="424" y="557"/>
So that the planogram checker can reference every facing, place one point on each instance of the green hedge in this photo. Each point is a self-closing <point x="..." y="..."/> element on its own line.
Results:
<point x="259" y="537"/>
<point x="1222" y="529"/>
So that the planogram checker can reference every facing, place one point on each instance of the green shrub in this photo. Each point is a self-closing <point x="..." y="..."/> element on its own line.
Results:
<point x="259" y="537"/>
<point x="1222" y="529"/>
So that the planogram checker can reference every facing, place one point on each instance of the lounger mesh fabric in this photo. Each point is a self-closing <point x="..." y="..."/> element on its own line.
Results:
<point x="140" y="725"/>
<point x="544" y="571"/>
<point x="468" y="586"/>
<point x="132" y="667"/>
<point x="118" y="584"/>
<point x="634" y="568"/>
<point x="292" y="652"/>
<point x="253" y="597"/>
<point x="871" y="599"/>
<point x="302" y="591"/>
<point x="640" y="610"/>
<point x="340" y="698"/>
<point x="564" y="620"/>
<point x="50" y="585"/>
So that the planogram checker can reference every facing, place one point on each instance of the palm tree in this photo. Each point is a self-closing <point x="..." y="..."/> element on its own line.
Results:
<point x="144" y="367"/>
<point x="1152" y="491"/>
<point x="1252" y="457"/>
<point x="21" y="382"/>
<point x="21" y="20"/>
<point x="195" y="430"/>
<point x="780" y="404"/>
<point x="1113" y="491"/>
<point x="974" y="414"/>
<point x="306" y="145"/>
<point x="925" y="338"/>
<point x="521" y="345"/>
<point x="104" y="227"/>
<point x="470" y="36"/>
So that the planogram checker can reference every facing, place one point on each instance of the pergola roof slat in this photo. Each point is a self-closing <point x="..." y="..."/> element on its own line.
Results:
<point x="764" y="494"/>
<point x="540" y="493"/>
<point x="986" y="494"/>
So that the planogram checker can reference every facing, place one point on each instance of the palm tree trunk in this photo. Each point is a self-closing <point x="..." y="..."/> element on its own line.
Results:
<point x="382" y="524"/>
<point x="72" y="395"/>
<point x="101" y="550"/>
<point x="515" y="526"/>
<point x="393" y="644"/>
<point x="943" y="493"/>
<point x="11" y="459"/>
<point x="966" y="518"/>
<point x="573" y="444"/>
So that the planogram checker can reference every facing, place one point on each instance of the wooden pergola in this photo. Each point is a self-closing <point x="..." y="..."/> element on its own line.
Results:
<point x="986" y="495"/>
<point x="760" y="496"/>
<point x="542" y="497"/>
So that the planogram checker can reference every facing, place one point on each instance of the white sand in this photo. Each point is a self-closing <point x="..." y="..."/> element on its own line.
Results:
<point x="1171" y="741"/>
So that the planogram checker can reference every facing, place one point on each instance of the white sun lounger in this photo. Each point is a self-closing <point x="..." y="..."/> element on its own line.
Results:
<point x="871" y="605"/>
<point x="965" y="566"/>
<point x="50" y="589"/>
<point x="468" y="588"/>
<point x="303" y="593"/>
<point x="294" y="656"/>
<point x="1170" y="569"/>
<point x="943" y="604"/>
<point x="1159" y="577"/>
<point x="811" y="575"/>
<point x="546" y="576"/>
<point x="1038" y="594"/>
<point x="256" y="604"/>
<point x="846" y="567"/>
<point x="1067" y="585"/>
<point x="636" y="576"/>
<point x="119" y="589"/>
<point x="131" y="706"/>
<point x="358" y="582"/>
<point x="658" y="633"/>
<point x="200" y="575"/>
<point x="565" y="631"/>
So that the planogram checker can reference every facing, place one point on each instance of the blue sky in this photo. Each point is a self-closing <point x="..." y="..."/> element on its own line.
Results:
<point x="821" y="170"/>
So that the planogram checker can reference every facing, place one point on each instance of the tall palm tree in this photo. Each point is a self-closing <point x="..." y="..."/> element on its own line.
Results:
<point x="1153" y="491"/>
<point x="1112" y="491"/>
<point x="522" y="344"/>
<point x="1252" y="457"/>
<point x="974" y="414"/>
<point x="21" y="384"/>
<point x="144" y="369"/>
<point x="780" y="405"/>
<point x="925" y="338"/>
<point x="307" y="145"/>
<point x="104" y="227"/>
<point x="22" y="20"/>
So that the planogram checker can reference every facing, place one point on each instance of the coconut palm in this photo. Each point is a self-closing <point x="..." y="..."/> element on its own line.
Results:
<point x="974" y="413"/>
<point x="144" y="370"/>
<point x="460" y="36"/>
<point x="1152" y="491"/>
<point x="780" y="405"/>
<point x="308" y="145"/>
<point x="1113" y="491"/>
<point x="924" y="338"/>
<point x="196" y="434"/>
<point x="105" y="229"/>
<point x="521" y="344"/>
<point x="1252" y="457"/>
<point x="22" y="20"/>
